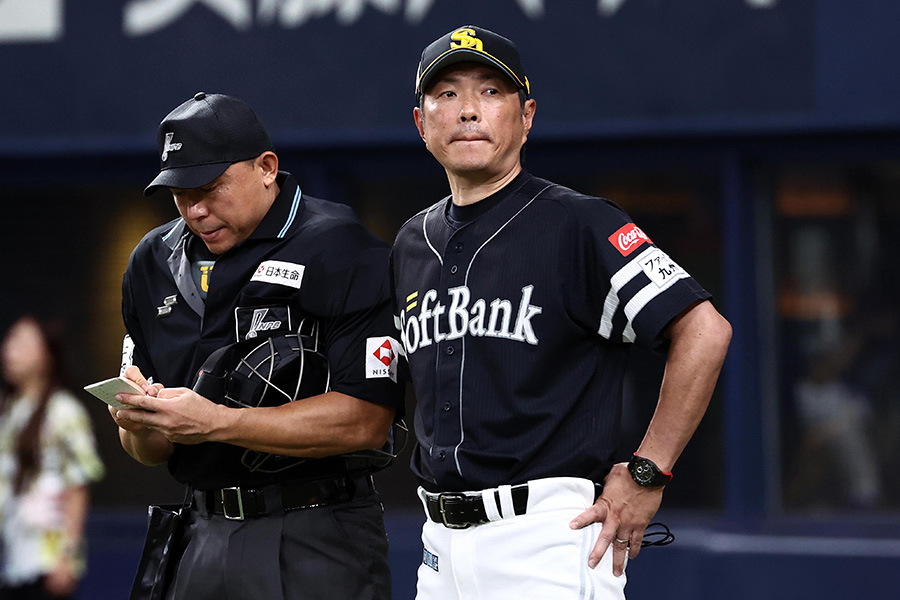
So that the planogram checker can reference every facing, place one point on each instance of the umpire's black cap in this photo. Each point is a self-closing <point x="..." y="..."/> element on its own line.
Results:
<point x="473" y="44"/>
<point x="201" y="138"/>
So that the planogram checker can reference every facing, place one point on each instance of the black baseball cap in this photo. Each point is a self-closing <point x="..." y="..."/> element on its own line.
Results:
<point x="201" y="138"/>
<point x="473" y="44"/>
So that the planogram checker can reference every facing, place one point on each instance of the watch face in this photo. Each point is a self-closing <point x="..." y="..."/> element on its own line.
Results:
<point x="642" y="472"/>
<point x="645" y="473"/>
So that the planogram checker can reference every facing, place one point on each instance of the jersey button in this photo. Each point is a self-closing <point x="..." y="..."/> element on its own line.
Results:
<point x="446" y="407"/>
<point x="441" y="455"/>
<point x="453" y="270"/>
<point x="450" y="350"/>
<point x="458" y="247"/>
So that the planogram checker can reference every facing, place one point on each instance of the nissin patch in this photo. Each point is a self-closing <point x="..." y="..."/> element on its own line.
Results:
<point x="381" y="357"/>
<point x="279" y="272"/>
<point x="628" y="238"/>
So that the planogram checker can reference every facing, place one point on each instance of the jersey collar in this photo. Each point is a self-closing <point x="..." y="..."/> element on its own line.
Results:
<point x="470" y="212"/>
<point x="285" y="210"/>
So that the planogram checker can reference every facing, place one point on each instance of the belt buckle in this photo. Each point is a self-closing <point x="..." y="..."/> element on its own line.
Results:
<point x="239" y="516"/>
<point x="441" y="507"/>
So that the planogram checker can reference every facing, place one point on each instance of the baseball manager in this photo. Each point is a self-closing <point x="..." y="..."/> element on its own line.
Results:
<point x="517" y="300"/>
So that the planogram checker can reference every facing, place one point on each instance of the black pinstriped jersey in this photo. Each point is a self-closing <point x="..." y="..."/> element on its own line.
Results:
<point x="516" y="325"/>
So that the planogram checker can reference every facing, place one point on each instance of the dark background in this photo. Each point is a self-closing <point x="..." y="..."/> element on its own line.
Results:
<point x="722" y="126"/>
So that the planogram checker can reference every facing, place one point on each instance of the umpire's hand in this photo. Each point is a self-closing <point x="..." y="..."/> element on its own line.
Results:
<point x="625" y="509"/>
<point x="180" y="414"/>
<point x="151" y="389"/>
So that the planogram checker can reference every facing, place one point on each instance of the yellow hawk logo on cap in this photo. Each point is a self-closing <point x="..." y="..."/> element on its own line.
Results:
<point x="465" y="38"/>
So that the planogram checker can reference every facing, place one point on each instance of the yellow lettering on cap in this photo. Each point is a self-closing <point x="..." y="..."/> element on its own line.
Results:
<point x="465" y="38"/>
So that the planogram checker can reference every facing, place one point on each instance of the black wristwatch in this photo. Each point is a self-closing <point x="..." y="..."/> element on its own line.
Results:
<point x="645" y="472"/>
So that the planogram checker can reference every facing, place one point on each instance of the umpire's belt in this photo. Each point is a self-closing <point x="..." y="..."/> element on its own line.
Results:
<point x="458" y="510"/>
<point x="240" y="503"/>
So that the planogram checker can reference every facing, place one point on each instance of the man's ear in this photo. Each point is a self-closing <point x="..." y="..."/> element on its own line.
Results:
<point x="419" y="118"/>
<point x="528" y="114"/>
<point x="268" y="163"/>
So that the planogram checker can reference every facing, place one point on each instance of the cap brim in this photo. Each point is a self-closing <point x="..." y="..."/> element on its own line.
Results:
<point x="186" y="177"/>
<point x="464" y="55"/>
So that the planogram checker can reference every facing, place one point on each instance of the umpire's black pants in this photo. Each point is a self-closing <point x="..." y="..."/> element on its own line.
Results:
<point x="331" y="552"/>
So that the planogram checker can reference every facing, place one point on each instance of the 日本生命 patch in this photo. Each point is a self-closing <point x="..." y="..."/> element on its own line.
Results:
<point x="279" y="272"/>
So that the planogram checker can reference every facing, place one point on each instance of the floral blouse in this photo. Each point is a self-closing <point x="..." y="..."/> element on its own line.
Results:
<point x="32" y="523"/>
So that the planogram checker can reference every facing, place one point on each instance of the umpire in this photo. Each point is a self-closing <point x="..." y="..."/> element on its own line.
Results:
<point x="280" y="302"/>
<point x="518" y="300"/>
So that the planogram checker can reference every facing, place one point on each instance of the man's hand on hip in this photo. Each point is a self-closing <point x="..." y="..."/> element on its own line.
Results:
<point x="625" y="509"/>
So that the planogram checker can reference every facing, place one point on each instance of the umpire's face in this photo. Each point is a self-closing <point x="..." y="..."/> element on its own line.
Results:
<point x="227" y="210"/>
<point x="473" y="121"/>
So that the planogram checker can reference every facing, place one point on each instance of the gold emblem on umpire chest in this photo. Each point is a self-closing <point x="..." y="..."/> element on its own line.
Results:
<point x="204" y="276"/>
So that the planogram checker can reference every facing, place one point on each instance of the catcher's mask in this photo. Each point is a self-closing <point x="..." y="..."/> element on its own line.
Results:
<point x="266" y="372"/>
<point x="273" y="371"/>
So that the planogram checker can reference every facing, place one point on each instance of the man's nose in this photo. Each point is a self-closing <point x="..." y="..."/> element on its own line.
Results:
<point x="197" y="210"/>
<point x="469" y="110"/>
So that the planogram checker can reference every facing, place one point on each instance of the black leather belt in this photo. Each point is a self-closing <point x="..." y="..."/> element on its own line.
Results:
<point x="458" y="510"/>
<point x="240" y="503"/>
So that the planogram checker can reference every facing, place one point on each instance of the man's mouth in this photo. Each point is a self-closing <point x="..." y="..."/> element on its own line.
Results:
<point x="470" y="137"/>
<point x="211" y="234"/>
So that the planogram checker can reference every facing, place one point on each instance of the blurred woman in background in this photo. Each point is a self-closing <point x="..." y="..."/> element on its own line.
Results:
<point x="48" y="457"/>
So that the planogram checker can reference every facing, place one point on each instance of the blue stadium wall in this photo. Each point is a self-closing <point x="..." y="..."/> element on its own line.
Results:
<point x="100" y="77"/>
<point x="85" y="84"/>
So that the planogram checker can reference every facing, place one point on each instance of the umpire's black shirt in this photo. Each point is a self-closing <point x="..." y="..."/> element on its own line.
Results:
<point x="308" y="258"/>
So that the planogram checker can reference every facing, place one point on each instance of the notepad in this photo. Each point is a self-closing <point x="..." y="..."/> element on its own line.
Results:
<point x="107" y="389"/>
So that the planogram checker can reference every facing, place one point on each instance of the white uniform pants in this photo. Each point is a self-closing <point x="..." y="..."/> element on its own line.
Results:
<point x="535" y="556"/>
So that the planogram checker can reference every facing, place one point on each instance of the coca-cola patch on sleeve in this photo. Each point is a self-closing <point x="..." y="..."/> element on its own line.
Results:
<point x="628" y="239"/>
